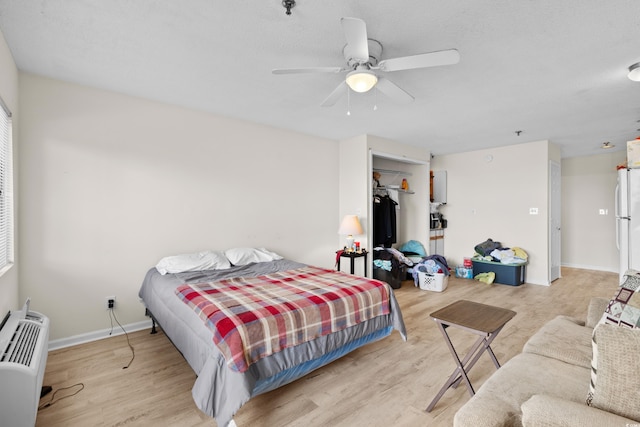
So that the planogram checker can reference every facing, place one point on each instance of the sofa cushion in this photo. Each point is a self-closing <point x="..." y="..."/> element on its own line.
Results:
<point x="497" y="402"/>
<point x="597" y="307"/>
<point x="546" y="411"/>
<point x="617" y="388"/>
<point x="624" y="307"/>
<point x="563" y="339"/>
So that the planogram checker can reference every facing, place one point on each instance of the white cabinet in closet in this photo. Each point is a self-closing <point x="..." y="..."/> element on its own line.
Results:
<point x="436" y="242"/>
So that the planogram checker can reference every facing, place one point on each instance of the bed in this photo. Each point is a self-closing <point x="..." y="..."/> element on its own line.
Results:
<point x="177" y="301"/>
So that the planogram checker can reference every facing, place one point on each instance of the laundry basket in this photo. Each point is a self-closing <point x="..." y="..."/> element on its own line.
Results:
<point x="433" y="281"/>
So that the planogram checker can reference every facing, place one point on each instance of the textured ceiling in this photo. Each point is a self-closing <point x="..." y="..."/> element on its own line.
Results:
<point x="553" y="69"/>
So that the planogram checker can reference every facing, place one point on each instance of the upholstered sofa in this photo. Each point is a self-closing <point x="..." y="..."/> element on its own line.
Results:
<point x="548" y="383"/>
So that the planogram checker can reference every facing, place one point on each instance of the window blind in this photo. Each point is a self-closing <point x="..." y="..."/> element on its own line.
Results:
<point x="6" y="190"/>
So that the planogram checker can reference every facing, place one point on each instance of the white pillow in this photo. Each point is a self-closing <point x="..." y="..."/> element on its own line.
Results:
<point x="244" y="256"/>
<point x="205" y="260"/>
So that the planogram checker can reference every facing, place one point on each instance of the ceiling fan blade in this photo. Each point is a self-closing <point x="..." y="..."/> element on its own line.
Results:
<point x="355" y="32"/>
<point x="393" y="91"/>
<point x="307" y="70"/>
<point x="335" y="95"/>
<point x="432" y="59"/>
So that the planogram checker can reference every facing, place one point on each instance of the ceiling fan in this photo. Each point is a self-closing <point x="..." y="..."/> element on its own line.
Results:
<point x="363" y="60"/>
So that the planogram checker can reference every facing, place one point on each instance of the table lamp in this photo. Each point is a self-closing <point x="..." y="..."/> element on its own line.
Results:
<point x="350" y="225"/>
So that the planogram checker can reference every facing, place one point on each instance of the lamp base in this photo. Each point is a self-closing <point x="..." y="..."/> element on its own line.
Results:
<point x="350" y="240"/>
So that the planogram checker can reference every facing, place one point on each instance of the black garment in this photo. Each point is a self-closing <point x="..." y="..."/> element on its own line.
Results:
<point x="384" y="221"/>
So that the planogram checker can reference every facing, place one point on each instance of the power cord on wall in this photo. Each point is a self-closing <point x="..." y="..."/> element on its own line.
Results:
<point x="112" y="317"/>
<point x="51" y="401"/>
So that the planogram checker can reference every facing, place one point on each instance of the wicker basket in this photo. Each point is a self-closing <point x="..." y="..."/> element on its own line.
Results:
<point x="433" y="282"/>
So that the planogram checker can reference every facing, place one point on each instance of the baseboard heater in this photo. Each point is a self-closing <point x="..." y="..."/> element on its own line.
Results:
<point x="24" y="340"/>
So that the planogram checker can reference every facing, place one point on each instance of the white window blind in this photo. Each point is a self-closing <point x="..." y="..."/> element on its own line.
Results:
<point x="6" y="190"/>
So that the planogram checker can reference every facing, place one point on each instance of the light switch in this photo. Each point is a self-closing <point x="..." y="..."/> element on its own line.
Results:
<point x="533" y="211"/>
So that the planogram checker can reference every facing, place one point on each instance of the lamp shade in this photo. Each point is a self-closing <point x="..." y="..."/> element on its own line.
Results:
<point x="350" y="225"/>
<point x="361" y="80"/>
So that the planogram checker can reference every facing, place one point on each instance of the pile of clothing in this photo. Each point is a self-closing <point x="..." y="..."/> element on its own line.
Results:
<point x="493" y="251"/>
<point x="432" y="264"/>
<point x="383" y="258"/>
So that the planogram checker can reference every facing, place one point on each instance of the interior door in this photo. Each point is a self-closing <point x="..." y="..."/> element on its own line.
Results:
<point x="555" y="236"/>
<point x="634" y="219"/>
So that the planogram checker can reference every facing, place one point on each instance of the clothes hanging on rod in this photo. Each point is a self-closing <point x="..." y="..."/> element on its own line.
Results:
<point x="380" y="191"/>
<point x="384" y="221"/>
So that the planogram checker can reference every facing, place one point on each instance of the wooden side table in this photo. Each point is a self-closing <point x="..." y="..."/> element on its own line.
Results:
<point x="480" y="319"/>
<point x="353" y="256"/>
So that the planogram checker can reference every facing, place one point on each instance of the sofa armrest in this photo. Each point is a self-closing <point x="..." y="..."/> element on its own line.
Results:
<point x="595" y="311"/>
<point x="548" y="411"/>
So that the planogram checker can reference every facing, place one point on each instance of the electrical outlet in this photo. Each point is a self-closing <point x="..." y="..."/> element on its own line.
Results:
<point x="111" y="302"/>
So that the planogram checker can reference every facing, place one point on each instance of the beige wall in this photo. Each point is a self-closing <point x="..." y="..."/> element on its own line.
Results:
<point x="9" y="93"/>
<point x="489" y="194"/>
<point x="588" y="185"/>
<point x="112" y="183"/>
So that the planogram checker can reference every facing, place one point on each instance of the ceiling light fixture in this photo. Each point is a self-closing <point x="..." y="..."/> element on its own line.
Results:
<point x="361" y="80"/>
<point x="634" y="72"/>
<point x="606" y="145"/>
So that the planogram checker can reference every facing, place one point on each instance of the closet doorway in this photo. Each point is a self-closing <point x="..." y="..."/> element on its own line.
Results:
<point x="412" y="210"/>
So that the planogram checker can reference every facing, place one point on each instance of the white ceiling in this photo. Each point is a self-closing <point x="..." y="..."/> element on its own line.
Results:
<point x="553" y="69"/>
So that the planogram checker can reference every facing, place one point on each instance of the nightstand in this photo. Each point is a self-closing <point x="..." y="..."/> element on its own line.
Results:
<point x="353" y="256"/>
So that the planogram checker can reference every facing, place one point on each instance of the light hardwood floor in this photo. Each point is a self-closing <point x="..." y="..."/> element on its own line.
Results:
<point x="387" y="383"/>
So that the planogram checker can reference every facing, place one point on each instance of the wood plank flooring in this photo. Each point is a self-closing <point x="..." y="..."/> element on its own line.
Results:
<point x="388" y="383"/>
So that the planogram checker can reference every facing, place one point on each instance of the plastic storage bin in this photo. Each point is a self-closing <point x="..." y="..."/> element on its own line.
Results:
<point x="464" y="272"/>
<point x="432" y="282"/>
<point x="506" y="274"/>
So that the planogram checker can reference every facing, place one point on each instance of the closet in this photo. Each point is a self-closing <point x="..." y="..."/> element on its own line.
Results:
<point x="396" y="212"/>
<point x="385" y="202"/>
<point x="394" y="161"/>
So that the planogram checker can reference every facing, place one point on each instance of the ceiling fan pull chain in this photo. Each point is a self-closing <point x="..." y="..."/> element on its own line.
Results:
<point x="375" y="100"/>
<point x="348" y="102"/>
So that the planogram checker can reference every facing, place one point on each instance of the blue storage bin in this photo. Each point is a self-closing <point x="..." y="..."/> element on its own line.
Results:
<point x="506" y="274"/>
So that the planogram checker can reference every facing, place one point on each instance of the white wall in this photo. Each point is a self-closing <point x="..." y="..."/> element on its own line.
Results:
<point x="112" y="183"/>
<point x="353" y="195"/>
<point x="588" y="185"/>
<point x="489" y="193"/>
<point x="9" y="93"/>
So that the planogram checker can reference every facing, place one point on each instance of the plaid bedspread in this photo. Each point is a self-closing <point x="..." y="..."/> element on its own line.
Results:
<point x="253" y="317"/>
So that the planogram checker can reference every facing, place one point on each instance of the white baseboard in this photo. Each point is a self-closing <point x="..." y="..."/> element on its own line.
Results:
<point x="98" y="335"/>
<point x="589" y="267"/>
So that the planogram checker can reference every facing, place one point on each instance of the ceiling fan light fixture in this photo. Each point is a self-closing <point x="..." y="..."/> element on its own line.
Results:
<point x="361" y="80"/>
<point x="634" y="72"/>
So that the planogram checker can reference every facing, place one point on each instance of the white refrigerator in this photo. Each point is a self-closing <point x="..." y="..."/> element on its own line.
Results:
<point x="628" y="219"/>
